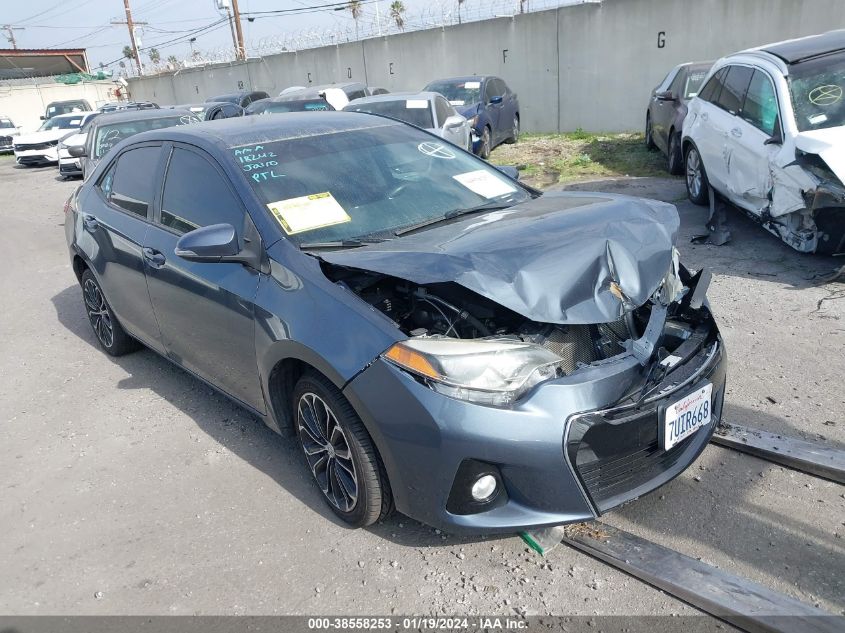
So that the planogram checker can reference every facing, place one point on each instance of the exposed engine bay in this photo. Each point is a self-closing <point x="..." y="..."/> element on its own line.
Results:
<point x="450" y="310"/>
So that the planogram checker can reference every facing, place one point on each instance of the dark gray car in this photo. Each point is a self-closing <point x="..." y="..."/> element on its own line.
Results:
<point x="439" y="337"/>
<point x="667" y="109"/>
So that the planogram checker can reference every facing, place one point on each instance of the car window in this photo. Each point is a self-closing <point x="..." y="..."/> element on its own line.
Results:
<point x="457" y="92"/>
<point x="443" y="110"/>
<point x="677" y="84"/>
<point x="195" y="195"/>
<point x="667" y="80"/>
<point x="133" y="185"/>
<point x="107" y="136"/>
<point x="761" y="106"/>
<point x="107" y="179"/>
<point x="692" y="83"/>
<point x="356" y="94"/>
<point x="713" y="87"/>
<point x="817" y="87"/>
<point x="733" y="90"/>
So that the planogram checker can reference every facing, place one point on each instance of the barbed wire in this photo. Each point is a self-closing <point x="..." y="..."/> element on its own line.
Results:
<point x="375" y="21"/>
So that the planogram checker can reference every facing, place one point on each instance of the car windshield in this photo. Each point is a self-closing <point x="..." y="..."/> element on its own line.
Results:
<point x="693" y="82"/>
<point x="61" y="123"/>
<point x="457" y="92"/>
<point x="414" y="111"/>
<point x="6" y="123"/>
<point x="816" y="86"/>
<point x="110" y="135"/>
<point x="304" y="105"/>
<point x="368" y="182"/>
<point x="64" y="108"/>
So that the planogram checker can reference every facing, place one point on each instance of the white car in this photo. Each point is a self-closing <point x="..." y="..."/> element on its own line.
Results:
<point x="41" y="146"/>
<point x="8" y="131"/>
<point x="428" y="110"/>
<point x="68" y="165"/>
<point x="767" y="132"/>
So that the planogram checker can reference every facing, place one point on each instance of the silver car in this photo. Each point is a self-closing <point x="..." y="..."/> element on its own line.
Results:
<point x="428" y="110"/>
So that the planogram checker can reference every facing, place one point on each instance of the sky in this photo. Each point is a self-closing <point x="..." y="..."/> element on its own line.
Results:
<point x="170" y="23"/>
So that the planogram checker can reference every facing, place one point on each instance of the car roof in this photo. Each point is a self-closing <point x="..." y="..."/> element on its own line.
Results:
<point x="254" y="130"/>
<point x="67" y="101"/>
<point x="398" y="96"/>
<point x="459" y="79"/>
<point x="697" y="65"/>
<point x="803" y="48"/>
<point x="137" y="115"/>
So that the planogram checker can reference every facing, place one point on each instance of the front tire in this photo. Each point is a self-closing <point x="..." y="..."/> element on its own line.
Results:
<point x="110" y="334"/>
<point x="484" y="148"/>
<point x="698" y="188"/>
<point x="649" y="133"/>
<point x="339" y="453"/>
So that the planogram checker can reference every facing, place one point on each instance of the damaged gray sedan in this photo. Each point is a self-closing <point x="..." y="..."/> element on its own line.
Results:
<point x="440" y="338"/>
<point x="767" y="132"/>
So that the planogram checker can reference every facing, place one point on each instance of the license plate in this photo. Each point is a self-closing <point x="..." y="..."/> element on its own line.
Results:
<point x="686" y="416"/>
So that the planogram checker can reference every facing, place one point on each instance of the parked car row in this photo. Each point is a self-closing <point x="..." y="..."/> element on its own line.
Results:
<point x="763" y="129"/>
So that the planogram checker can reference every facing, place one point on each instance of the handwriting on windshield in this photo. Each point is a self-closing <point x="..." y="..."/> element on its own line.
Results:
<point x="257" y="162"/>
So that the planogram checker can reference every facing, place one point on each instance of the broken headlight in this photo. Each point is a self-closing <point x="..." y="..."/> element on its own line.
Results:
<point x="486" y="371"/>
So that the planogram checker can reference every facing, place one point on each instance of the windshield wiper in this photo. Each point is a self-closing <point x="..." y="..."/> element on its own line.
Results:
<point x="348" y="243"/>
<point x="451" y="215"/>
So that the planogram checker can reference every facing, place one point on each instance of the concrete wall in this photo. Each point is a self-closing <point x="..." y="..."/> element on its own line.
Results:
<point x="590" y="65"/>
<point x="25" y="103"/>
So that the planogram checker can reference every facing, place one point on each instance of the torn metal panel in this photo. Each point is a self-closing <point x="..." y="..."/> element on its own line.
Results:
<point x="600" y="255"/>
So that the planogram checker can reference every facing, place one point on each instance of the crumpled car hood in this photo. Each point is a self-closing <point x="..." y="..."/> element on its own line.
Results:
<point x="564" y="258"/>
<point x="828" y="144"/>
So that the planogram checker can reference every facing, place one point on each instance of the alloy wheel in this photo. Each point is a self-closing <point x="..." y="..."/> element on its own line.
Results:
<point x="515" y="134"/>
<point x="98" y="313"/>
<point x="693" y="172"/>
<point x="327" y="451"/>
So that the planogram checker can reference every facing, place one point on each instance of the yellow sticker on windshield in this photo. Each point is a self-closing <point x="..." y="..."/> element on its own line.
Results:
<point x="307" y="213"/>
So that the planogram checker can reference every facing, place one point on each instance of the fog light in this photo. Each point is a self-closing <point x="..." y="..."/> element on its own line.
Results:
<point x="484" y="487"/>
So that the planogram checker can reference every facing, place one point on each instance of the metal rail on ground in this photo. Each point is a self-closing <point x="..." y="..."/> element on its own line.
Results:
<point x="740" y="602"/>
<point x="809" y="457"/>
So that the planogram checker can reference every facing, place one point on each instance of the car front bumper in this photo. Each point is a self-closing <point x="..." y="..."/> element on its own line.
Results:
<point x="562" y="455"/>
<point x="37" y="156"/>
<point x="69" y="166"/>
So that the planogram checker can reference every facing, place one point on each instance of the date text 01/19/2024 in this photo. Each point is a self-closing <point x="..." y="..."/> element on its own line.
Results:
<point x="417" y="623"/>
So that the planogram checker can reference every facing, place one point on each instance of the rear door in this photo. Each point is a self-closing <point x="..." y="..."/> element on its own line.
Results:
<point x="749" y="179"/>
<point x="114" y="220"/>
<point x="205" y="310"/>
<point x="495" y="111"/>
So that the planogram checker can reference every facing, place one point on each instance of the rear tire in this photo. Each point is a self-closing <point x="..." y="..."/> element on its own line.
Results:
<point x="339" y="453"/>
<point x="110" y="334"/>
<point x="698" y="188"/>
<point x="675" y="160"/>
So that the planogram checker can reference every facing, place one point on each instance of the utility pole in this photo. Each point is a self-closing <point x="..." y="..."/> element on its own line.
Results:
<point x="241" y="51"/>
<point x="10" y="30"/>
<point x="129" y="23"/>
<point x="232" y="28"/>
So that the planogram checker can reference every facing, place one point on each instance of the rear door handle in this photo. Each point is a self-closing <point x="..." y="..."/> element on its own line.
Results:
<point x="155" y="258"/>
<point x="90" y="222"/>
<point x="736" y="132"/>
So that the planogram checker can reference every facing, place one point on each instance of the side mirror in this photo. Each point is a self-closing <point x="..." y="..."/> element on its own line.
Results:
<point x="453" y="121"/>
<point x="509" y="170"/>
<point x="43" y="118"/>
<point x="77" y="151"/>
<point x="666" y="95"/>
<point x="496" y="100"/>
<point x="215" y="243"/>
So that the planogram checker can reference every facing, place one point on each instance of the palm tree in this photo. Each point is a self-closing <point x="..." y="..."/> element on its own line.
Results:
<point x="397" y="8"/>
<point x="460" y="2"/>
<point x="522" y="4"/>
<point x="128" y="52"/>
<point x="154" y="55"/>
<point x="355" y="9"/>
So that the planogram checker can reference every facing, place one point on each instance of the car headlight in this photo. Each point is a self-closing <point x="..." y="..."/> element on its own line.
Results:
<point x="486" y="371"/>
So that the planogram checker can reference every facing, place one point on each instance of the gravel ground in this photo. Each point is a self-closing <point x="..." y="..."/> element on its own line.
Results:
<point x="131" y="488"/>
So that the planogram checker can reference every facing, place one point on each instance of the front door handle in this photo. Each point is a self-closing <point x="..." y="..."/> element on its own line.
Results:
<point x="736" y="132"/>
<point x="90" y="222"/>
<point x="154" y="258"/>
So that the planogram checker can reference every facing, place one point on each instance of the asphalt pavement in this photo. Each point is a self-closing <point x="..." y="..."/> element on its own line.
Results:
<point x="131" y="488"/>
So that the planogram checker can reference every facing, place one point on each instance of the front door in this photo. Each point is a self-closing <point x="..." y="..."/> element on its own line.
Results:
<point x="115" y="219"/>
<point x="205" y="310"/>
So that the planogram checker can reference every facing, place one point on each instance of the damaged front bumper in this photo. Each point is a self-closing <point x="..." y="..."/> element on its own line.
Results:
<point x="574" y="448"/>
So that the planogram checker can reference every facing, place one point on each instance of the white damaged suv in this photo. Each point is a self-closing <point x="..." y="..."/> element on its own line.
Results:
<point x="767" y="132"/>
